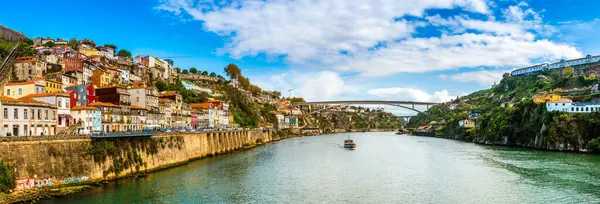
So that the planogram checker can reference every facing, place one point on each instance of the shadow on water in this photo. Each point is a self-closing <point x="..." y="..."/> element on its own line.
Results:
<point x="558" y="170"/>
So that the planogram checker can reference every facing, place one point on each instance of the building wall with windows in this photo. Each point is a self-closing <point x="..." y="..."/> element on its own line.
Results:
<point x="26" y="117"/>
<point x="27" y="68"/>
<point x="573" y="107"/>
<point x="89" y="118"/>
<point x="20" y="89"/>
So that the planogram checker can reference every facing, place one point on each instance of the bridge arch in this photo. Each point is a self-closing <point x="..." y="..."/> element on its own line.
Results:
<point x="401" y="104"/>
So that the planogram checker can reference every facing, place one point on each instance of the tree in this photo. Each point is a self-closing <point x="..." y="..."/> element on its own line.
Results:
<point x="297" y="99"/>
<point x="245" y="83"/>
<point x="568" y="71"/>
<point x="73" y="43"/>
<point x="212" y="74"/>
<point x="28" y="41"/>
<point x="205" y="73"/>
<point x="592" y="76"/>
<point x="177" y="69"/>
<point x="185" y="71"/>
<point x="160" y="85"/>
<point x="47" y="52"/>
<point x="233" y="71"/>
<point x="7" y="181"/>
<point x="114" y="47"/>
<point x="193" y="70"/>
<point x="49" y="44"/>
<point x="124" y="53"/>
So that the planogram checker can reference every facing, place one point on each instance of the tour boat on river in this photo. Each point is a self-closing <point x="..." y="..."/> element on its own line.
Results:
<point x="349" y="144"/>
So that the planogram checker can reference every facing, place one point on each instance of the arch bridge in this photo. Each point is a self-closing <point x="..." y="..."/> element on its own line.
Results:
<point x="410" y="105"/>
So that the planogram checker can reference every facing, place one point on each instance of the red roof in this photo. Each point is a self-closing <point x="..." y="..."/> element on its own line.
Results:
<point x="84" y="108"/>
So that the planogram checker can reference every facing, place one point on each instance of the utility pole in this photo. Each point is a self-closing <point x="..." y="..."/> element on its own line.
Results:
<point x="290" y="91"/>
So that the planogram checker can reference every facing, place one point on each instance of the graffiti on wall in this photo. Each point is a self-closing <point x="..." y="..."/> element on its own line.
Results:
<point x="29" y="183"/>
<point x="76" y="179"/>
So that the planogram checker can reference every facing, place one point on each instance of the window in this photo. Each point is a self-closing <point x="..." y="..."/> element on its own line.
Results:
<point x="571" y="109"/>
<point x="5" y="113"/>
<point x="15" y="130"/>
<point x="25" y="114"/>
<point x="60" y="103"/>
<point x="16" y="113"/>
<point x="25" y="130"/>
<point x="53" y="115"/>
<point x="20" y="91"/>
<point x="8" y="92"/>
<point x="39" y="114"/>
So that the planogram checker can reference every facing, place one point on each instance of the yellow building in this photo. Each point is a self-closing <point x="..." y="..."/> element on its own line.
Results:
<point x="52" y="86"/>
<point x="88" y="51"/>
<point x="540" y="98"/>
<point x="552" y="97"/>
<point x="100" y="78"/>
<point x="20" y="89"/>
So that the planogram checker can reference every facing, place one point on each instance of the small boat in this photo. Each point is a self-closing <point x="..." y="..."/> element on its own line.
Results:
<point x="349" y="144"/>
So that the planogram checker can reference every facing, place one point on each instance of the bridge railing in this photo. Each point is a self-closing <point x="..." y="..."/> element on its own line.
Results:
<point x="123" y="134"/>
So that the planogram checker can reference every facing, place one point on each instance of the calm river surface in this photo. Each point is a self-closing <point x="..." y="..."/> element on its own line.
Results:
<point x="385" y="168"/>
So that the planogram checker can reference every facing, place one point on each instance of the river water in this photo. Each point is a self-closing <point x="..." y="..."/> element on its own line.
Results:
<point x="385" y="168"/>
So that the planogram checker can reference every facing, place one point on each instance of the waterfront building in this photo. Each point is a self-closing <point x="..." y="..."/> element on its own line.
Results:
<point x="20" y="89"/>
<point x="138" y="118"/>
<point x="26" y="117"/>
<point x="27" y="68"/>
<point x="113" y="117"/>
<point x="88" y="118"/>
<point x="60" y="100"/>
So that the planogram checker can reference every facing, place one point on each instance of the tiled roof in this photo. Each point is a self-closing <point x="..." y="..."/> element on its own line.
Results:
<point x="46" y="94"/>
<point x="84" y="108"/>
<point x="136" y="107"/>
<point x="102" y="104"/>
<point x="23" y="83"/>
<point x="201" y="105"/>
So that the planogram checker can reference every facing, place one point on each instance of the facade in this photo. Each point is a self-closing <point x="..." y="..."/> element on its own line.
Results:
<point x="107" y="52"/>
<point x="89" y="51"/>
<point x="138" y="118"/>
<point x="88" y="118"/>
<point x="52" y="86"/>
<point x="566" y="105"/>
<point x="114" y="117"/>
<point x="20" y="89"/>
<point x="100" y="78"/>
<point x="466" y="124"/>
<point x="27" y="68"/>
<point x="26" y="117"/>
<point x="61" y="101"/>
<point x="72" y="62"/>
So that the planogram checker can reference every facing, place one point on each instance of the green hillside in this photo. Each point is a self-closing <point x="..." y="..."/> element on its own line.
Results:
<point x="507" y="114"/>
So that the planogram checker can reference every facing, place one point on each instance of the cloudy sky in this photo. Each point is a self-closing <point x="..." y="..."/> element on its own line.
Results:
<point x="426" y="50"/>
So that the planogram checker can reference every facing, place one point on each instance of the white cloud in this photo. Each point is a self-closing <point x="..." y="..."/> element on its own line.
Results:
<point x="373" y="37"/>
<point x="484" y="77"/>
<point x="312" y="86"/>
<point x="411" y="94"/>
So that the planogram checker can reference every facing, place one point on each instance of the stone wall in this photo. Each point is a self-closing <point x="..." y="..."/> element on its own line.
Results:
<point x="51" y="162"/>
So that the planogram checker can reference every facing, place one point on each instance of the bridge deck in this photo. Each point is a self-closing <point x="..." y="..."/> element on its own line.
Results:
<point x="366" y="102"/>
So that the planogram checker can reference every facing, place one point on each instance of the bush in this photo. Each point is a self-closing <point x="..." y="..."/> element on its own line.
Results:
<point x="7" y="181"/>
<point x="594" y="145"/>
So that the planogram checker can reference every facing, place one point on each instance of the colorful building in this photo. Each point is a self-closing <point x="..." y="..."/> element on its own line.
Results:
<point x="88" y="118"/>
<point x="52" y="86"/>
<point x="27" y="68"/>
<point x="20" y="89"/>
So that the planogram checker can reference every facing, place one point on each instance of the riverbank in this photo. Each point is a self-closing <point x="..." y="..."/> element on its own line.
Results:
<point x="44" y="165"/>
<point x="556" y="147"/>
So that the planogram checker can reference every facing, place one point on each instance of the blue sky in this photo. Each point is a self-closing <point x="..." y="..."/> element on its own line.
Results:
<point x="426" y="51"/>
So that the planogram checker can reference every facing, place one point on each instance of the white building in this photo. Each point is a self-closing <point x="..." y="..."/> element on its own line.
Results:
<point x="565" y="105"/>
<point x="90" y="119"/>
<point x="61" y="101"/>
<point x="124" y="76"/>
<point x="26" y="117"/>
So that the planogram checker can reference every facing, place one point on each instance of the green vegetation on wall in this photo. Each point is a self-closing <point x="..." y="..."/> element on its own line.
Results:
<point x="7" y="180"/>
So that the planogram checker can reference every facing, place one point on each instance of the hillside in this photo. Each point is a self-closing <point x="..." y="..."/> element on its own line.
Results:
<point x="506" y="114"/>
